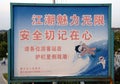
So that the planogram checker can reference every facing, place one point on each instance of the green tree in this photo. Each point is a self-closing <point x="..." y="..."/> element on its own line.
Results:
<point x="5" y="37"/>
<point x="3" y="49"/>
<point x="3" y="44"/>
<point x="1" y="37"/>
<point x="117" y="40"/>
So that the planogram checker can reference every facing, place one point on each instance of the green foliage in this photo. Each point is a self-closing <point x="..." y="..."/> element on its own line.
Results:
<point x="3" y="44"/>
<point x="3" y="37"/>
<point x="3" y="49"/>
<point x="117" y="40"/>
<point x="5" y="75"/>
<point x="117" y="82"/>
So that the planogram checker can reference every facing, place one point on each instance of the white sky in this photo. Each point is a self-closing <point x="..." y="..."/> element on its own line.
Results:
<point x="5" y="9"/>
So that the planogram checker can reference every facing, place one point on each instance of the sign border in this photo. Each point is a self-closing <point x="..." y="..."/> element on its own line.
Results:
<point x="11" y="77"/>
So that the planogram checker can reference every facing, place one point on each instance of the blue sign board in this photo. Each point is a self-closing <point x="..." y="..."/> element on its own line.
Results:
<point x="60" y="41"/>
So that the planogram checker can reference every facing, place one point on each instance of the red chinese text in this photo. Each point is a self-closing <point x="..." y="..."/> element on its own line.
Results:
<point x="65" y="20"/>
<point x="55" y="35"/>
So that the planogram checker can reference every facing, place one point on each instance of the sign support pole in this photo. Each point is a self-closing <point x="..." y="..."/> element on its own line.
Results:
<point x="82" y="82"/>
<point x="53" y="1"/>
<point x="54" y="81"/>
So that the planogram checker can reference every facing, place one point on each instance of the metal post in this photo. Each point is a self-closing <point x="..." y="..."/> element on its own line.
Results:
<point x="53" y="1"/>
<point x="111" y="81"/>
<point x="54" y="82"/>
<point x="82" y="82"/>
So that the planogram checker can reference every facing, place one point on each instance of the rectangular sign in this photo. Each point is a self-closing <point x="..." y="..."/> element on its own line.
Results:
<point x="60" y="40"/>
